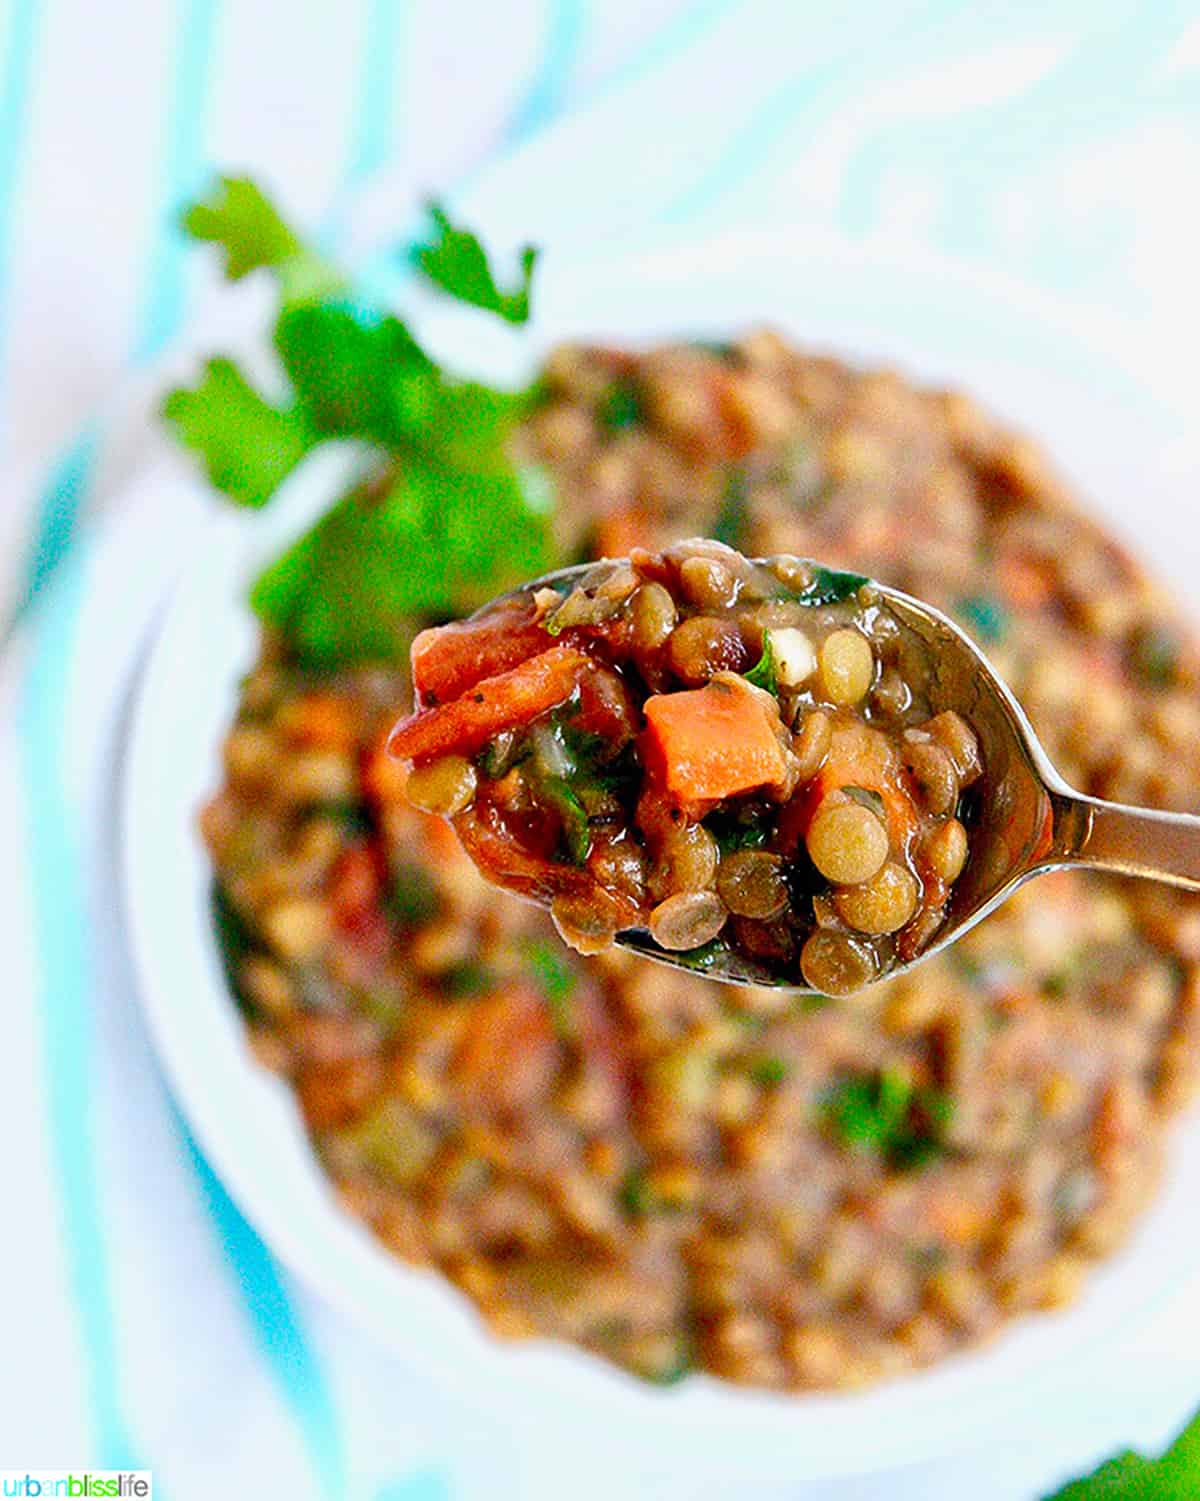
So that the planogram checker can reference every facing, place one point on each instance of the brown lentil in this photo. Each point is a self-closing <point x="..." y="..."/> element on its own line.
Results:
<point x="687" y="920"/>
<point x="444" y="787"/>
<point x="833" y="963"/>
<point x="881" y="905"/>
<point x="751" y="883"/>
<point x="847" y="843"/>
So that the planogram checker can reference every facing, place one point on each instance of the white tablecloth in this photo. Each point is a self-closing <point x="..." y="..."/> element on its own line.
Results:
<point x="141" y="1319"/>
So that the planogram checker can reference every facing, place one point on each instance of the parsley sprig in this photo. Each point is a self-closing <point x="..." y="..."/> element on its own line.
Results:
<point x="443" y="518"/>
<point x="1173" y="1476"/>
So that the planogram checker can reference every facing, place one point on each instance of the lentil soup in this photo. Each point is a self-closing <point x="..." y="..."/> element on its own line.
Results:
<point x="680" y="1175"/>
<point x="738" y="757"/>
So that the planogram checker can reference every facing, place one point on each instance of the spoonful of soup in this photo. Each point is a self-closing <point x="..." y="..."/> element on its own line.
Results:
<point x="759" y="769"/>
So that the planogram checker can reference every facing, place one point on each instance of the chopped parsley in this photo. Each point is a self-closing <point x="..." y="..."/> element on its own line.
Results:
<point x="468" y="978"/>
<point x="984" y="616"/>
<point x="412" y="895"/>
<point x="621" y="407"/>
<point x="762" y="674"/>
<point x="866" y="797"/>
<point x="829" y="586"/>
<point x="730" y="526"/>
<point x="733" y="832"/>
<point x="555" y="978"/>
<point x="235" y="942"/>
<point x="885" y="1113"/>
<point x="769" y="1071"/>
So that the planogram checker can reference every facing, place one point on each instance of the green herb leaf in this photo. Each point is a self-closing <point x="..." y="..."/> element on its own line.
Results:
<point x="437" y="541"/>
<point x="681" y="1362"/>
<point x="769" y="1071"/>
<point x="621" y="407"/>
<point x="1155" y="656"/>
<point x="350" y="815"/>
<point x="829" y="586"/>
<point x="468" y="978"/>
<point x="866" y="797"/>
<point x="349" y="368"/>
<point x="576" y="832"/>
<point x="238" y="217"/>
<point x="731" y="833"/>
<point x="762" y="674"/>
<point x="886" y="1114"/>
<point x="235" y="942"/>
<point x="1132" y="1477"/>
<point x="412" y="896"/>
<point x="458" y="263"/>
<point x="634" y="1194"/>
<point x="701" y="959"/>
<point x="248" y="446"/>
<point x="984" y="616"/>
<point x="731" y="523"/>
<point x="557" y="981"/>
<point x="446" y="520"/>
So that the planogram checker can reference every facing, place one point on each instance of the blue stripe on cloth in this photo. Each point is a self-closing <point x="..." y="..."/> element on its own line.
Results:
<point x="543" y="98"/>
<point x="375" y="125"/>
<point x="421" y="1485"/>
<point x="64" y="496"/>
<point x="183" y="169"/>
<point x="58" y="513"/>
<point x="60" y="916"/>
<point x="277" y="1327"/>
<point x="294" y="1366"/>
<point x="672" y="38"/>
<point x="20" y="45"/>
<point x="799" y="98"/>
<point x="60" y="903"/>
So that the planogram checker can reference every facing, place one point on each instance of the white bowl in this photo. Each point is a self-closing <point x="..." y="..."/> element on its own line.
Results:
<point x="1068" y="385"/>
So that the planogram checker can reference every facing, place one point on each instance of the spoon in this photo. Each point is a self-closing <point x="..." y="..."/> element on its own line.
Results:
<point x="1029" y="820"/>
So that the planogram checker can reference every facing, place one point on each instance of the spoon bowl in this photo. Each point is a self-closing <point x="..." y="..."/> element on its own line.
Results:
<point x="1027" y="819"/>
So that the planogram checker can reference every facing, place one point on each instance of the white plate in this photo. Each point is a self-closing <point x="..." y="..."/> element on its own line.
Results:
<point x="936" y="321"/>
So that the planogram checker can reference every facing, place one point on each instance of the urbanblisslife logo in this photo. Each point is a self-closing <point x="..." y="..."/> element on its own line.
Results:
<point x="133" y="1485"/>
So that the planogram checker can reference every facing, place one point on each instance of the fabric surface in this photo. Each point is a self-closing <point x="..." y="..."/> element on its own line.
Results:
<point x="143" y="1321"/>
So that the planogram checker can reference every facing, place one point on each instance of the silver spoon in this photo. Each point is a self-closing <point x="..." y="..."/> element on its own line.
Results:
<point x="1029" y="820"/>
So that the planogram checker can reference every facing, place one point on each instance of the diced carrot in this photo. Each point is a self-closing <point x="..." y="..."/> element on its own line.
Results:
<point x="322" y="720"/>
<point x="449" y="659"/>
<point x="355" y="883"/>
<point x="384" y="778"/>
<point x="507" y="701"/>
<point x="618" y="533"/>
<point x="508" y="1055"/>
<point x="711" y="743"/>
<point x="1025" y="583"/>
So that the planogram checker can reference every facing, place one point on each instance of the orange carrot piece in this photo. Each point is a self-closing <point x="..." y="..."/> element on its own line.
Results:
<point x="711" y="743"/>
<point x="506" y="701"/>
<point x="449" y="659"/>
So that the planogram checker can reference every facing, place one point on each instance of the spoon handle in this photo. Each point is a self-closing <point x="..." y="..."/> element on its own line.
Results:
<point x="1127" y="841"/>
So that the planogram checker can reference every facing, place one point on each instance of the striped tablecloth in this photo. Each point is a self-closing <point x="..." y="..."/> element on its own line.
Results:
<point x="141" y="1321"/>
